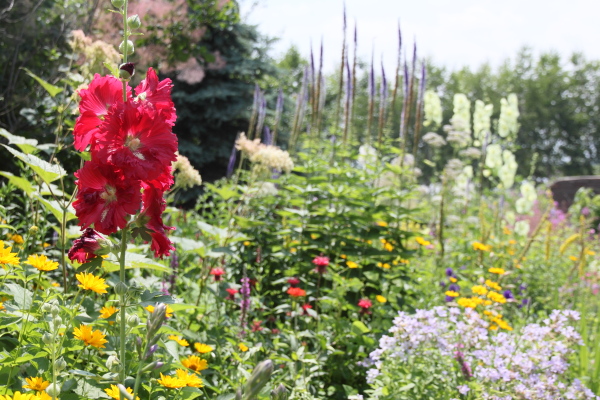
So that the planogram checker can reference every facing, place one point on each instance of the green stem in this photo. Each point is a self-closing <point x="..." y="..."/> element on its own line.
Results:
<point x="122" y="354"/>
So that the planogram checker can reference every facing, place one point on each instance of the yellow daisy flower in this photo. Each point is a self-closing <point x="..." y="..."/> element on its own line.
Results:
<point x="480" y="290"/>
<point x="243" y="347"/>
<point x="203" y="348"/>
<point x="171" y="382"/>
<point x="168" y="313"/>
<point x="451" y="293"/>
<point x="382" y="223"/>
<point x="107" y="312"/>
<point x="115" y="393"/>
<point x="422" y="241"/>
<point x="380" y="298"/>
<point x="6" y="257"/>
<point x="41" y="263"/>
<point x="195" y="363"/>
<point x="191" y="380"/>
<point x="499" y="271"/>
<point x="43" y="396"/>
<point x="481" y="246"/>
<point x="351" y="264"/>
<point x="180" y="341"/>
<point x="36" y="383"/>
<point x="90" y="337"/>
<point x="19" y="396"/>
<point x="91" y="282"/>
<point x="18" y="239"/>
<point x="493" y="285"/>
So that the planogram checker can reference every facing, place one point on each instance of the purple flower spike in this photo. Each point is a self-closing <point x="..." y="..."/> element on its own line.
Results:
<point x="232" y="159"/>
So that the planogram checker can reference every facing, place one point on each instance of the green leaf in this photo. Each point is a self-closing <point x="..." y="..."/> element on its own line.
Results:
<point x="51" y="89"/>
<point x="28" y="146"/>
<point x="359" y="328"/>
<point x="56" y="209"/>
<point x="19" y="182"/>
<point x="112" y="68"/>
<point x="133" y="260"/>
<point x="48" y="172"/>
<point x="189" y="393"/>
<point x="22" y="297"/>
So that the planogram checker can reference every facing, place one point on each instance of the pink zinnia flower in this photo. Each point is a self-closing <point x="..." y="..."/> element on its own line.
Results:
<point x="293" y="281"/>
<point x="321" y="262"/>
<point x="217" y="273"/>
<point x="365" y="304"/>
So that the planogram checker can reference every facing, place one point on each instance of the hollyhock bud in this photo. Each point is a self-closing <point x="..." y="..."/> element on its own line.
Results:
<point x="121" y="289"/>
<point x="47" y="338"/>
<point x="259" y="378"/>
<point x="60" y="365"/>
<point x="133" y="320"/>
<point x="134" y="21"/>
<point x="89" y="245"/>
<point x="53" y="390"/>
<point x="130" y="48"/>
<point x="126" y="71"/>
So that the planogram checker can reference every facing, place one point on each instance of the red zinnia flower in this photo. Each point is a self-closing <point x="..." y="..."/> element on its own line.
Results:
<point x="293" y="281"/>
<point x="296" y="292"/>
<point x="232" y="293"/>
<point x="306" y="307"/>
<point x="87" y="245"/>
<point x="136" y="140"/>
<point x="321" y="262"/>
<point x="217" y="273"/>
<point x="101" y="94"/>
<point x="104" y="198"/>
<point x="158" y="94"/>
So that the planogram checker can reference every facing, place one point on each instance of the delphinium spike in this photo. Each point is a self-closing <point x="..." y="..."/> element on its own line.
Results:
<point x="232" y="159"/>
<point x="267" y="138"/>
<point x="371" y="90"/>
<point x="262" y="112"/>
<point x="409" y="97"/>
<point x="322" y="98"/>
<point x="419" y="116"/>
<point x="403" y="134"/>
<point x="354" y="62"/>
<point x="278" y="111"/>
<point x="341" y="85"/>
<point x="254" y="111"/>
<point x="299" y="116"/>
<point x="383" y="92"/>
<point x="348" y="108"/>
<point x="320" y="87"/>
<point x="397" y="77"/>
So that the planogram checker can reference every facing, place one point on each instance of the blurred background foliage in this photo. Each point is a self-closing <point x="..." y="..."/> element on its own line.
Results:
<point x="216" y="59"/>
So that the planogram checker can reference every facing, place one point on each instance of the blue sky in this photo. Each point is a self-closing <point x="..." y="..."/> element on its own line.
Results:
<point x="454" y="33"/>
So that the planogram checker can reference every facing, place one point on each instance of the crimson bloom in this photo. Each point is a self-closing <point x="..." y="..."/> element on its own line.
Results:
<point x="84" y="249"/>
<point x="96" y="100"/>
<point x="296" y="292"/>
<point x="321" y="262"/>
<point x="158" y="94"/>
<point x="306" y="307"/>
<point x="104" y="198"/>
<point x="365" y="304"/>
<point x="217" y="273"/>
<point x="153" y="206"/>
<point x="136" y="140"/>
<point x="232" y="292"/>
<point x="293" y="281"/>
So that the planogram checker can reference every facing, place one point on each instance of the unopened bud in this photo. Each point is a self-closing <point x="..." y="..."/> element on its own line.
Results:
<point x="129" y="45"/>
<point x="60" y="365"/>
<point x="133" y="321"/>
<point x="53" y="390"/>
<point x="126" y="71"/>
<point x="134" y="21"/>
<point x="279" y="393"/>
<point x="113" y="364"/>
<point x="151" y="351"/>
<point x="121" y="289"/>
<point x="54" y="310"/>
<point x="47" y="338"/>
<point x="46" y="307"/>
<point x="56" y="322"/>
<point x="33" y="230"/>
<point x="259" y="378"/>
<point x="117" y="3"/>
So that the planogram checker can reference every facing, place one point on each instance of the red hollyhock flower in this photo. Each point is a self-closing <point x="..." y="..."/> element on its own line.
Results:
<point x="104" y="198"/>
<point x="153" y="206"/>
<point x="232" y="292"/>
<point x="102" y="93"/>
<point x="293" y="281"/>
<point x="321" y="262"/>
<point x="158" y="94"/>
<point x="296" y="292"/>
<point x="136" y="140"/>
<point x="217" y="273"/>
<point x="84" y="249"/>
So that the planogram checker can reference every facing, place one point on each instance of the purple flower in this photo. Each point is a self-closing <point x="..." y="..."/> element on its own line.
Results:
<point x="508" y="294"/>
<point x="449" y="272"/>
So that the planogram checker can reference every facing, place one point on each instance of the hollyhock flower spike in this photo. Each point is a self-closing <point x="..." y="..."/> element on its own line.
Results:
<point x="153" y="206"/>
<point x="136" y="140"/>
<point x="104" y="198"/>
